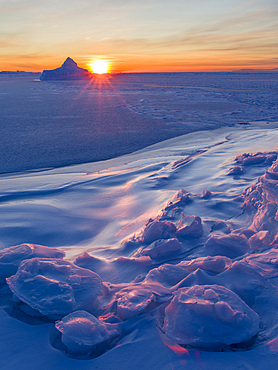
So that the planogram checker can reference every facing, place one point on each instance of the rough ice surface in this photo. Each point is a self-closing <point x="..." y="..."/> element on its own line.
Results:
<point x="199" y="277"/>
<point x="132" y="302"/>
<point x="54" y="286"/>
<point x="170" y="275"/>
<point x="209" y="316"/>
<point x="161" y="248"/>
<point x="155" y="230"/>
<point x="231" y="245"/>
<point x="137" y="299"/>
<point x="189" y="226"/>
<point x="10" y="258"/>
<point x="82" y="333"/>
<point x="214" y="264"/>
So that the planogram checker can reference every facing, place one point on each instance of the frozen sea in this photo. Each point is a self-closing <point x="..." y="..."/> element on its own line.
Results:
<point x="161" y="191"/>
<point x="57" y="123"/>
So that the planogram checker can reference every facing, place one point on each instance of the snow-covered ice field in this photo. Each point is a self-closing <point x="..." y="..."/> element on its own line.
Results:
<point x="164" y="258"/>
<point x="58" y="123"/>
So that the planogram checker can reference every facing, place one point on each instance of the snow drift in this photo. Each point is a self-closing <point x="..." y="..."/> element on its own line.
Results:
<point x="198" y="277"/>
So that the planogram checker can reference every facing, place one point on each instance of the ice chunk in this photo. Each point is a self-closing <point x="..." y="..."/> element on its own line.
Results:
<point x="82" y="333"/>
<point x="250" y="159"/>
<point x="138" y="298"/>
<point x="170" y="275"/>
<point x="265" y="218"/>
<point x="221" y="227"/>
<point x="161" y="248"/>
<point x="231" y="245"/>
<point x="121" y="269"/>
<point x="236" y="170"/>
<point x="10" y="258"/>
<point x="265" y="263"/>
<point x="174" y="205"/>
<point x="216" y="264"/>
<point x="206" y="194"/>
<point x="155" y="230"/>
<point x="167" y="275"/>
<point x="260" y="239"/>
<point x="209" y="316"/>
<point x="189" y="226"/>
<point x="247" y="232"/>
<point x="180" y="198"/>
<point x="54" y="286"/>
<point x="132" y="302"/>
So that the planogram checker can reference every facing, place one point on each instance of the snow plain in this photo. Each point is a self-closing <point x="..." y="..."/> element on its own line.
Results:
<point x="170" y="251"/>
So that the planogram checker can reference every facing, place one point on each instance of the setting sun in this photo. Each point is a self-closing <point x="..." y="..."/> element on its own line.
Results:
<point x="99" y="66"/>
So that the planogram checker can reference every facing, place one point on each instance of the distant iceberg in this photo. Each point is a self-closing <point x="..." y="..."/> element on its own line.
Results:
<point x="68" y="71"/>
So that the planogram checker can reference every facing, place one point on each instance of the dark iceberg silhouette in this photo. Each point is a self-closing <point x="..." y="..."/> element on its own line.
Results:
<point x="68" y="71"/>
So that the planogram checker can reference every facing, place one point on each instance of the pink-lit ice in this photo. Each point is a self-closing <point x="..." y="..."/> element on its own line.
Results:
<point x="54" y="286"/>
<point x="82" y="333"/>
<point x="132" y="302"/>
<point x="189" y="226"/>
<point x="170" y="275"/>
<point x="10" y="258"/>
<point x="161" y="248"/>
<point x="209" y="316"/>
<point x="202" y="272"/>
<point x="155" y="230"/>
<point x="231" y="245"/>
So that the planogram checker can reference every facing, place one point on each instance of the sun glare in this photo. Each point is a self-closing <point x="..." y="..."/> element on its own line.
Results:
<point x="99" y="66"/>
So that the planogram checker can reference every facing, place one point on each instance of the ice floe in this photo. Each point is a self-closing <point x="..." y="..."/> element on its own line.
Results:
<point x="209" y="316"/>
<point x="83" y="334"/>
<point x="11" y="257"/>
<point x="54" y="286"/>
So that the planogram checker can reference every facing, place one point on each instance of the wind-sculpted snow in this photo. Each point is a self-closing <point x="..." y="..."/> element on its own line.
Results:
<point x="209" y="316"/>
<point x="54" y="286"/>
<point x="195" y="273"/>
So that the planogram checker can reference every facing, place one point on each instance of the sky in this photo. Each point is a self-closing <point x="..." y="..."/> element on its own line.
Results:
<point x="140" y="36"/>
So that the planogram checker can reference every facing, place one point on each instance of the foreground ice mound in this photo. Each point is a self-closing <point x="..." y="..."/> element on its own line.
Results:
<point x="54" y="287"/>
<point x="82" y="333"/>
<point x="209" y="316"/>
<point x="10" y="258"/>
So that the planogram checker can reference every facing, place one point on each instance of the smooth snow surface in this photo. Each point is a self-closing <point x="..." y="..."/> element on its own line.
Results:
<point x="171" y="258"/>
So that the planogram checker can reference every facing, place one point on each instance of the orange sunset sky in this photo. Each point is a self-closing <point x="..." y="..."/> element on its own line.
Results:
<point x="140" y="36"/>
